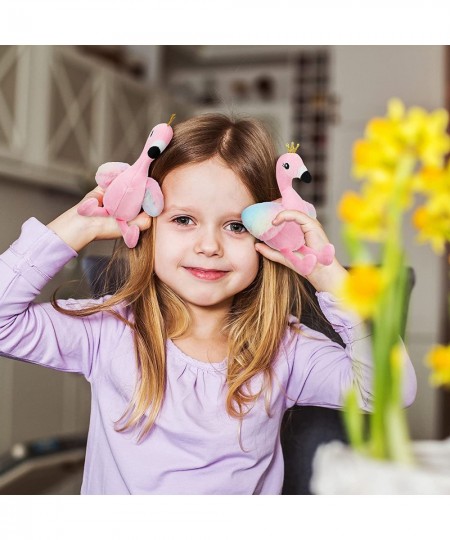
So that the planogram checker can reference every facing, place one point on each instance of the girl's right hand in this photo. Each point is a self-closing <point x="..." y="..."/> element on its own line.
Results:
<point x="78" y="231"/>
<point x="106" y="228"/>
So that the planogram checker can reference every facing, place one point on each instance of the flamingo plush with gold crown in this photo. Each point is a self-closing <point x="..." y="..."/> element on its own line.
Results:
<point x="128" y="188"/>
<point x="288" y="237"/>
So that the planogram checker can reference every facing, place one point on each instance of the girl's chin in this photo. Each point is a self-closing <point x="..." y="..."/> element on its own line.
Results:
<point x="207" y="302"/>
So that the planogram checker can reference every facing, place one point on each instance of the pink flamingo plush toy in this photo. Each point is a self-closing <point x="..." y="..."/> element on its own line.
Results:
<point x="288" y="237"/>
<point x="128" y="188"/>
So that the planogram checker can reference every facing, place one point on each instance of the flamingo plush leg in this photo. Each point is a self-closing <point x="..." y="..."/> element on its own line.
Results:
<point x="303" y="266"/>
<point x="325" y="256"/>
<point x="90" y="207"/>
<point x="130" y="233"/>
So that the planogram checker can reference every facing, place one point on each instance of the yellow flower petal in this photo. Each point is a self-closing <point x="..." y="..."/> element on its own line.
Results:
<point x="396" y="109"/>
<point x="438" y="359"/>
<point x="432" y="220"/>
<point x="363" y="214"/>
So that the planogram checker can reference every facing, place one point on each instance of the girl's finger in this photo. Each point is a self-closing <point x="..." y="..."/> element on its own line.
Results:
<point x="272" y="254"/>
<point x="143" y="221"/>
<point x="96" y="193"/>
<point x="297" y="216"/>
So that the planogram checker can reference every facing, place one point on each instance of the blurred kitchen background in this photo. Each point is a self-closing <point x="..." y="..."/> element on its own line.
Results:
<point x="65" y="110"/>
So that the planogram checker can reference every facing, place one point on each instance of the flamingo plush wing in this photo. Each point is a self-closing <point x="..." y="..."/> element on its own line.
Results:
<point x="153" y="199"/>
<point x="107" y="172"/>
<point x="257" y="219"/>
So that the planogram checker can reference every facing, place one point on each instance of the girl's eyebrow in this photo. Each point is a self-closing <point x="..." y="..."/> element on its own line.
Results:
<point x="196" y="210"/>
<point x="182" y="208"/>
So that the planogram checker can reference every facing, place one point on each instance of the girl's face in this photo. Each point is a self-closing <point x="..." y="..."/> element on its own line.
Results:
<point x="200" y="228"/>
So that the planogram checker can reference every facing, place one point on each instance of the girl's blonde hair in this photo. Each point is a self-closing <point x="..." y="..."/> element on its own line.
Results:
<point x="259" y="315"/>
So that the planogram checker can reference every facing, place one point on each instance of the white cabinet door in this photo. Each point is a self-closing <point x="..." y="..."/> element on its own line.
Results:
<point x="63" y="114"/>
<point x="128" y="121"/>
<point x="15" y="86"/>
<point x="72" y="114"/>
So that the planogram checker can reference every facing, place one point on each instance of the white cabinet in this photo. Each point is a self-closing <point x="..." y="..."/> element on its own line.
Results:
<point x="62" y="114"/>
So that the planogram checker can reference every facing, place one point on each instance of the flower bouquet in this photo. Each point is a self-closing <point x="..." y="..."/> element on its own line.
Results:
<point x="401" y="162"/>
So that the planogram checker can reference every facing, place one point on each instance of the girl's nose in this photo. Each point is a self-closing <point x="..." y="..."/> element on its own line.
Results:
<point x="208" y="242"/>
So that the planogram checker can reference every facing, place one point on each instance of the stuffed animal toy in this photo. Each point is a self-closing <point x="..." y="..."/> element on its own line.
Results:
<point x="128" y="188"/>
<point x="288" y="237"/>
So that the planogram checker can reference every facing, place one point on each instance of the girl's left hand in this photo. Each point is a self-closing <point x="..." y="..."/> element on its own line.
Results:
<point x="323" y="278"/>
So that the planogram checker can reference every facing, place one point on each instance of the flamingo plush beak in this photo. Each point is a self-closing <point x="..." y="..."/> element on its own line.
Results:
<point x="305" y="177"/>
<point x="153" y="152"/>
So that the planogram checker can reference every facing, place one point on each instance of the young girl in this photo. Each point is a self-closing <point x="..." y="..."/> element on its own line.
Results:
<point x="194" y="360"/>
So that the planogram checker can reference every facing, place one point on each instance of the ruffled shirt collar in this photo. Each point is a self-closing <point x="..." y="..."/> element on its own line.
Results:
<point x="179" y="355"/>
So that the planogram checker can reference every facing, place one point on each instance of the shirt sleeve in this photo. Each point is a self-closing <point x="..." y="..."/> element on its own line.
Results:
<point x="37" y="333"/>
<point x="323" y="371"/>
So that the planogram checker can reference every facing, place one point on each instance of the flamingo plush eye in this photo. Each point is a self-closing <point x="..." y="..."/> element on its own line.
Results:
<point x="286" y="165"/>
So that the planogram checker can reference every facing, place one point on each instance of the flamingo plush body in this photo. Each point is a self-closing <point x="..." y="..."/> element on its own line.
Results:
<point x="128" y="188"/>
<point x="288" y="237"/>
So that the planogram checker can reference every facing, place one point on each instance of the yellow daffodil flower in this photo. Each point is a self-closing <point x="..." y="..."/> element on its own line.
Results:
<point x="433" y="142"/>
<point x="438" y="359"/>
<point x="362" y="215"/>
<point x="432" y="180"/>
<point x="362" y="288"/>
<point x="401" y="133"/>
<point x="433" y="222"/>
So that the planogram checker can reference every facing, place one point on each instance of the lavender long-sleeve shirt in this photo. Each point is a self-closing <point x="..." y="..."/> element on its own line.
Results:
<point x="194" y="445"/>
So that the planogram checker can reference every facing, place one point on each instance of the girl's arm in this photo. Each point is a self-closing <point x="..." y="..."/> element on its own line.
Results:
<point x="322" y="371"/>
<point x="37" y="333"/>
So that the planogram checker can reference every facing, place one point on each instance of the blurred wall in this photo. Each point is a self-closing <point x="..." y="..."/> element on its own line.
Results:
<point x="36" y="402"/>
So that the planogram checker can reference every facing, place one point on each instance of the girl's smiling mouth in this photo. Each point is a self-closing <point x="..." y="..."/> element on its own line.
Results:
<point x="206" y="274"/>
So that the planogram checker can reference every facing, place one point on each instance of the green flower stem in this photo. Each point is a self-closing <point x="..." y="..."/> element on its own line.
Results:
<point x="354" y="420"/>
<point x="357" y="250"/>
<point x="388" y="433"/>
<point x="397" y="427"/>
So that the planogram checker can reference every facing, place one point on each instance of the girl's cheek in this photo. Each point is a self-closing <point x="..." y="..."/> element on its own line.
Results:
<point x="165" y="233"/>
<point x="250" y="244"/>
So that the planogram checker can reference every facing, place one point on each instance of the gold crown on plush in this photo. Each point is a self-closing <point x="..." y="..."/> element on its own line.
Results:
<point x="292" y="148"/>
